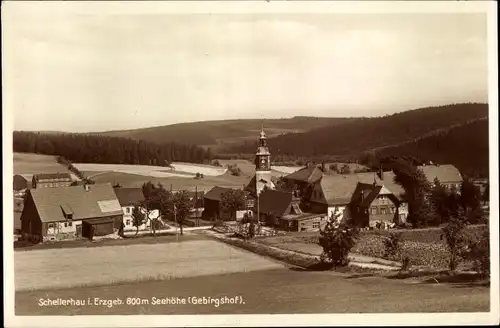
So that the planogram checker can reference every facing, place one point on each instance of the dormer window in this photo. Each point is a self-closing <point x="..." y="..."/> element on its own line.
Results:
<point x="67" y="212"/>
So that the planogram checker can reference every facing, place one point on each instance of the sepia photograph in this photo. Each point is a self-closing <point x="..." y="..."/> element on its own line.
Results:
<point x="252" y="163"/>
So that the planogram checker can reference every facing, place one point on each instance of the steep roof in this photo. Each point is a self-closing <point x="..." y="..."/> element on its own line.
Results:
<point x="307" y="174"/>
<point x="445" y="173"/>
<point x="388" y="182"/>
<point x="216" y="192"/>
<point x="129" y="196"/>
<point x="338" y="189"/>
<point x="99" y="201"/>
<point x="275" y="201"/>
<point x="52" y="176"/>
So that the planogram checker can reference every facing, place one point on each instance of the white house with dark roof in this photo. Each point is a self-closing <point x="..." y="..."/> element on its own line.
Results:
<point x="128" y="199"/>
<point x="71" y="212"/>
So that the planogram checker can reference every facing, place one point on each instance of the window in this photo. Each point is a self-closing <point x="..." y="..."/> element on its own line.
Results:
<point x="70" y="224"/>
<point x="65" y="224"/>
<point x="373" y="211"/>
<point x="315" y="225"/>
<point x="127" y="222"/>
<point x="51" y="225"/>
<point x="393" y="210"/>
<point x="383" y="210"/>
<point x="127" y="210"/>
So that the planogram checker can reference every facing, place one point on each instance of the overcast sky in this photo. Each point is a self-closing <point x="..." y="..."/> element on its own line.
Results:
<point x="100" y="72"/>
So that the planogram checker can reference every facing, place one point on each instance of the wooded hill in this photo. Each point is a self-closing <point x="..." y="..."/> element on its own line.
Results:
<point x="81" y="148"/>
<point x="214" y="133"/>
<point x="365" y="134"/>
<point x="466" y="147"/>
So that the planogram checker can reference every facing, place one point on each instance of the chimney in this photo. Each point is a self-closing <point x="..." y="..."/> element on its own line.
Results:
<point x="381" y="174"/>
<point x="86" y="187"/>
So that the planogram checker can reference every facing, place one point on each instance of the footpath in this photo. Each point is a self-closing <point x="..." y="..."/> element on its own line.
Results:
<point x="356" y="260"/>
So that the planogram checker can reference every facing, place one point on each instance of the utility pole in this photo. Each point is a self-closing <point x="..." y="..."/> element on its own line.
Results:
<point x="175" y="219"/>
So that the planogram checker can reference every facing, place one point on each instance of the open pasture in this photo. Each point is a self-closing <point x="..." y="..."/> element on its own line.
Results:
<point x="59" y="268"/>
<point x="29" y="164"/>
<point x="176" y="183"/>
<point x="186" y="170"/>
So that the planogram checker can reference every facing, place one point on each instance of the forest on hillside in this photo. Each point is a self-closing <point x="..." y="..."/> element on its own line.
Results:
<point x="466" y="147"/>
<point x="364" y="134"/>
<point x="210" y="132"/>
<point x="81" y="148"/>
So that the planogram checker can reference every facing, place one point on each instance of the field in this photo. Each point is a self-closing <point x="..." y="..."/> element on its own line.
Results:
<point x="59" y="268"/>
<point x="176" y="183"/>
<point x="186" y="170"/>
<point x="29" y="164"/>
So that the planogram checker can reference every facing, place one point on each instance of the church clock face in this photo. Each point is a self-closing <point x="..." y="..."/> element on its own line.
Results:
<point x="263" y="163"/>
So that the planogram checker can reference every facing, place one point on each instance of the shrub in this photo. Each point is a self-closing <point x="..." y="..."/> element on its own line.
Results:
<point x="337" y="240"/>
<point x="234" y="170"/>
<point x="216" y="163"/>
<point x="392" y="246"/>
<point x="456" y="240"/>
<point x="479" y="254"/>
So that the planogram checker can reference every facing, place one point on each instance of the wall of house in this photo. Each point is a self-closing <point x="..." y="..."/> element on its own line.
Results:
<point x="312" y="224"/>
<point x="212" y="210"/>
<point x="60" y="230"/>
<point x="30" y="220"/>
<point x="52" y="184"/>
<point x="343" y="210"/>
<point x="382" y="209"/>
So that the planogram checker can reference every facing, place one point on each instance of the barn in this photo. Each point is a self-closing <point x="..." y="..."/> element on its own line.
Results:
<point x="71" y="212"/>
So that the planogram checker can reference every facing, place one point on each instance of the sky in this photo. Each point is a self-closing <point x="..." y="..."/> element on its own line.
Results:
<point x="95" y="72"/>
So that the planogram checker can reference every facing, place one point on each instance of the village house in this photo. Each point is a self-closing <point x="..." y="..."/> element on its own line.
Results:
<point x="448" y="175"/>
<point x="71" y="212"/>
<point x="213" y="209"/>
<point x="51" y="180"/>
<point x="128" y="199"/>
<point x="372" y="204"/>
<point x="363" y="197"/>
<point x="303" y="178"/>
<point x="281" y="209"/>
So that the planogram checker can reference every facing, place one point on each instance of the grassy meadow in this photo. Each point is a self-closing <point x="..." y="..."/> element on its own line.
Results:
<point x="29" y="164"/>
<point x="60" y="268"/>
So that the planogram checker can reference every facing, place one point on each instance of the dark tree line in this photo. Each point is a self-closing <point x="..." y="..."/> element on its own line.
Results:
<point x="83" y="148"/>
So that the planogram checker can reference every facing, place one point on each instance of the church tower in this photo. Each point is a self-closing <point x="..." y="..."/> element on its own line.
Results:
<point x="262" y="165"/>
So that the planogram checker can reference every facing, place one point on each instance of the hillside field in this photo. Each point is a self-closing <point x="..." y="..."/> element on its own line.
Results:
<point x="28" y="164"/>
<point x="216" y="134"/>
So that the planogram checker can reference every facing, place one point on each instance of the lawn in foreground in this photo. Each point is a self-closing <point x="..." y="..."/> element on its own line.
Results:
<point x="268" y="292"/>
<point x="59" y="268"/>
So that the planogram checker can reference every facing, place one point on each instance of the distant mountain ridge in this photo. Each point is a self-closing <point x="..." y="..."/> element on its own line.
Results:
<point x="365" y="134"/>
<point x="466" y="146"/>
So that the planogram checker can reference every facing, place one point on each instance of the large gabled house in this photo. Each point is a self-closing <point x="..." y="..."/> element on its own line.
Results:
<point x="364" y="197"/>
<point x="71" y="212"/>
<point x="304" y="177"/>
<point x="51" y="180"/>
